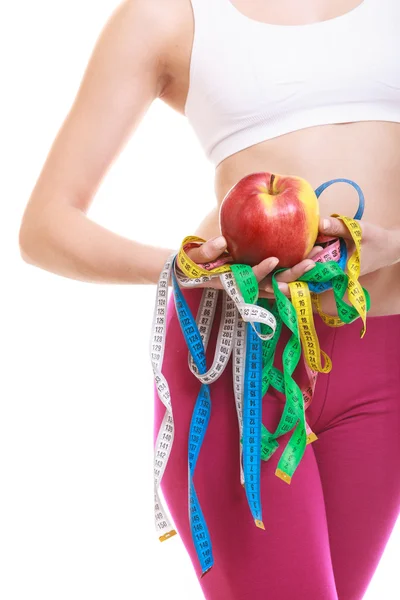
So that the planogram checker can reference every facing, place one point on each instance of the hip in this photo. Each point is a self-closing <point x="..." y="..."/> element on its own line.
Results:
<point x="364" y="383"/>
<point x="376" y="354"/>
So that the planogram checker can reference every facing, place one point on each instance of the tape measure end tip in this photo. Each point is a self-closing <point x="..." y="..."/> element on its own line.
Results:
<point x="205" y="572"/>
<point x="282" y="475"/>
<point x="168" y="535"/>
<point x="311" y="438"/>
<point x="259" y="524"/>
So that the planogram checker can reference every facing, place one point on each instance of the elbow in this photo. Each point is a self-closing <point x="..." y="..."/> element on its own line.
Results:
<point x="25" y="245"/>
<point x="23" y="240"/>
<point x="30" y="238"/>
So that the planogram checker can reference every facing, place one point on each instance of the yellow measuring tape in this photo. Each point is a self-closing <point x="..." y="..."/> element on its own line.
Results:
<point x="355" y="291"/>
<point x="190" y="268"/>
<point x="303" y="299"/>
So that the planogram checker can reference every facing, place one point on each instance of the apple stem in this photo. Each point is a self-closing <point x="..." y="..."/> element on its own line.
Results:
<point x="271" y="184"/>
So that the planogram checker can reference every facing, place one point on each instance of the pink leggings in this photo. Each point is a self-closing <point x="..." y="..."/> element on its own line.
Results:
<point x="325" y="532"/>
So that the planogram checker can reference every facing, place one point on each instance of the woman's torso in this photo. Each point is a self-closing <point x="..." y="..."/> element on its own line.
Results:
<point x="367" y="152"/>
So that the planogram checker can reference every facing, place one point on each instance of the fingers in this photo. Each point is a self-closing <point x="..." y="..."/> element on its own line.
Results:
<point x="314" y="251"/>
<point x="260" y="271"/>
<point x="265" y="285"/>
<point x="267" y="295"/>
<point x="297" y="271"/>
<point x="290" y="275"/>
<point x="265" y="267"/>
<point x="330" y="226"/>
<point x="210" y="250"/>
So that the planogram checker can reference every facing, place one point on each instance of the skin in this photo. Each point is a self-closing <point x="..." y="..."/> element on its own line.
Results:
<point x="143" y="53"/>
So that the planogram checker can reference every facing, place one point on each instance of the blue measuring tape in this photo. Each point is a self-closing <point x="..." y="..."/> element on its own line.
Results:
<point x="323" y="287"/>
<point x="198" y="426"/>
<point x="252" y="419"/>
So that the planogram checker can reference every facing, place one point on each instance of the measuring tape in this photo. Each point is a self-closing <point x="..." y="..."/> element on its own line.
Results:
<point x="322" y="287"/>
<point x="249" y="330"/>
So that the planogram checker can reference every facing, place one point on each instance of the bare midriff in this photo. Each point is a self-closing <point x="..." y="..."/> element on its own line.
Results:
<point x="366" y="152"/>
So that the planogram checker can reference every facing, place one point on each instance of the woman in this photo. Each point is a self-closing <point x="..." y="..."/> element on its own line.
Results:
<point x="311" y="90"/>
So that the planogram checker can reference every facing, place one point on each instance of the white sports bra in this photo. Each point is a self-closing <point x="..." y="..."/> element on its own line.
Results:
<point x="251" y="81"/>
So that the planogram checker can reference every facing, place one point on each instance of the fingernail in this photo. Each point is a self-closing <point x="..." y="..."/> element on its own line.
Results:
<point x="325" y="223"/>
<point x="283" y="286"/>
<point x="219" y="242"/>
<point x="274" y="262"/>
<point x="309" y="268"/>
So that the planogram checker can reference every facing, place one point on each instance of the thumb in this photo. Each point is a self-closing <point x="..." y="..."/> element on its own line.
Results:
<point x="331" y="226"/>
<point x="210" y="250"/>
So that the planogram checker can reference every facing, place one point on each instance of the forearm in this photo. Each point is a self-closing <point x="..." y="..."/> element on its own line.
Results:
<point x="397" y="246"/>
<point x="66" y="242"/>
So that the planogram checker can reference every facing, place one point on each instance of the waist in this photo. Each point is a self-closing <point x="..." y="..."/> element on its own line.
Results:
<point x="366" y="152"/>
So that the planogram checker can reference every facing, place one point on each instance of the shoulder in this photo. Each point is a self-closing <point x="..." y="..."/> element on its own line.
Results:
<point x="165" y="26"/>
<point x="164" y="17"/>
<point x="145" y="34"/>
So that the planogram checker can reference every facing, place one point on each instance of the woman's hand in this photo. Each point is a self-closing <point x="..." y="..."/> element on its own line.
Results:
<point x="380" y="247"/>
<point x="292" y="274"/>
<point x="212" y="249"/>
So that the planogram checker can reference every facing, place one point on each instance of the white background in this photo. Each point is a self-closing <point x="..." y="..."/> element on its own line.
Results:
<point x="76" y="421"/>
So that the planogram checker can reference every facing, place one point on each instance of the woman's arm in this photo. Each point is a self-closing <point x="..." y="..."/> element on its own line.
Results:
<point x="125" y="73"/>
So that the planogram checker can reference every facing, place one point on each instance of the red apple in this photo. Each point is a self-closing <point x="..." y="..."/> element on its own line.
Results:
<point x="265" y="215"/>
